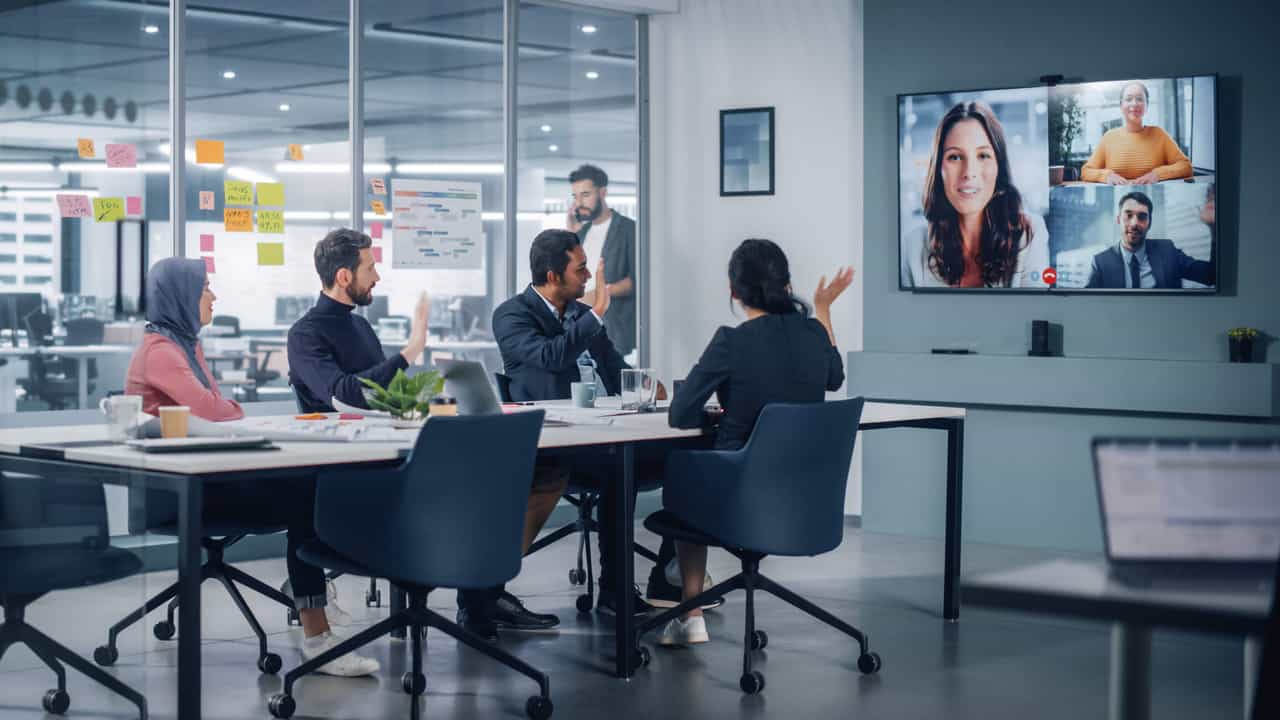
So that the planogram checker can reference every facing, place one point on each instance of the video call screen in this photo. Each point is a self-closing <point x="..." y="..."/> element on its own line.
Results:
<point x="1100" y="186"/>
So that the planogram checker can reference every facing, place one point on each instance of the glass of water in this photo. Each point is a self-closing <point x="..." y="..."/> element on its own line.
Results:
<point x="639" y="389"/>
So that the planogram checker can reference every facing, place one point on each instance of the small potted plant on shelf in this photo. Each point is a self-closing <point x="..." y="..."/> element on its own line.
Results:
<point x="407" y="399"/>
<point x="1240" y="344"/>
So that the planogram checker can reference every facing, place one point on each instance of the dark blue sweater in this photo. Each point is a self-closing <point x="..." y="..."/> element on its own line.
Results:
<point x="330" y="348"/>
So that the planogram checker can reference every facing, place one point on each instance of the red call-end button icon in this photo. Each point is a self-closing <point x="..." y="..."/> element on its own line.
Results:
<point x="1050" y="276"/>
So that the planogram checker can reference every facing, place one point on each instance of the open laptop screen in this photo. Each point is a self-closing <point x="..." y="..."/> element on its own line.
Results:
<point x="1198" y="501"/>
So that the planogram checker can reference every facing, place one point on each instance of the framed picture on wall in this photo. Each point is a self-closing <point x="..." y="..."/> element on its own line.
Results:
<point x="746" y="151"/>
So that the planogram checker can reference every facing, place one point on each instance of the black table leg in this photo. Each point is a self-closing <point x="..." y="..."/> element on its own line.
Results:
<point x="951" y="563"/>
<point x="190" y="530"/>
<point x="397" y="606"/>
<point x="624" y="565"/>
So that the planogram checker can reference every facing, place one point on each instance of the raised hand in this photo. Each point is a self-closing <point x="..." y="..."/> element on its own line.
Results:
<point x="600" y="302"/>
<point x="827" y="294"/>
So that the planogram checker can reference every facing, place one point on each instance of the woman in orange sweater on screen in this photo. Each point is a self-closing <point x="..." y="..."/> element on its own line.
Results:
<point x="1135" y="154"/>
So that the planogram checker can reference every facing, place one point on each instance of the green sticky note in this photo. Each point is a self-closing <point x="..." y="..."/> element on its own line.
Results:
<point x="271" y="194"/>
<point x="271" y="253"/>
<point x="237" y="192"/>
<point x="271" y="221"/>
<point x="109" y="209"/>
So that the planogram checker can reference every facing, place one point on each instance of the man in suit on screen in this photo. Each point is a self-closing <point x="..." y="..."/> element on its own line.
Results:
<point x="1140" y="262"/>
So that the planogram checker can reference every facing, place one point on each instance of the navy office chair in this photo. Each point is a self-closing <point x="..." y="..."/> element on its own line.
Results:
<point x="450" y="516"/>
<point x="781" y="494"/>
<point x="1266" y="697"/>
<point x="586" y="498"/>
<point x="53" y="536"/>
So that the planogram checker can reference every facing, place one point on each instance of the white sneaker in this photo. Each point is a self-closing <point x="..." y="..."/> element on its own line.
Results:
<point x="685" y="632"/>
<point x="349" y="665"/>
<point x="332" y="611"/>
<point x="672" y="571"/>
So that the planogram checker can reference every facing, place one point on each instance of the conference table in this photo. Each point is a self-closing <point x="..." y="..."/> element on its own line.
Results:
<point x="80" y="353"/>
<point x="84" y="452"/>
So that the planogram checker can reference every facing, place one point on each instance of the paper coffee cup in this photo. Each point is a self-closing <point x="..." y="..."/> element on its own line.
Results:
<point x="173" y="421"/>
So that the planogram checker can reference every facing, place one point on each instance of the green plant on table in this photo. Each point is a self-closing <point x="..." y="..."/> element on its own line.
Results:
<point x="406" y="398"/>
<point x="1242" y="332"/>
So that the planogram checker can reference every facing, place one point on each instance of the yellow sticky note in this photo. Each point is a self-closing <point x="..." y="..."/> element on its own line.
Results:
<point x="209" y="152"/>
<point x="378" y="207"/>
<point x="85" y="145"/>
<point x="237" y="192"/>
<point x="108" y="209"/>
<point x="271" y="194"/>
<point x="271" y="221"/>
<point x="270" y="253"/>
<point x="237" y="219"/>
<point x="295" y="152"/>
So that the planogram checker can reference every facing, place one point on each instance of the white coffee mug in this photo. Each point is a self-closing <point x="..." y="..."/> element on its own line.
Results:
<point x="122" y="413"/>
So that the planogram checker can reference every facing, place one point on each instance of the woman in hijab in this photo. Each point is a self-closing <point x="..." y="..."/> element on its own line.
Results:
<point x="169" y="369"/>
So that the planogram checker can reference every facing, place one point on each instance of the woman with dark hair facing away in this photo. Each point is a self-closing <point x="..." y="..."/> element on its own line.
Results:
<point x="1134" y="153"/>
<point x="779" y="354"/>
<point x="977" y="234"/>
<point x="169" y="369"/>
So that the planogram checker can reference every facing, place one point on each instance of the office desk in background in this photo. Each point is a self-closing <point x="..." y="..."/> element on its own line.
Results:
<point x="1085" y="589"/>
<point x="80" y="353"/>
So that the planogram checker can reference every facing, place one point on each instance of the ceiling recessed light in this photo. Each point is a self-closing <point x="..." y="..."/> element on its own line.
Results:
<point x="229" y="74"/>
<point x="553" y="148"/>
<point x="588" y="29"/>
<point x="545" y="128"/>
<point x="592" y="74"/>
<point x="151" y="29"/>
<point x="284" y="107"/>
<point x="306" y="148"/>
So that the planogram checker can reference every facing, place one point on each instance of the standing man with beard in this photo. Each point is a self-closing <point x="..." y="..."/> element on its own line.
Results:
<point x="609" y="236"/>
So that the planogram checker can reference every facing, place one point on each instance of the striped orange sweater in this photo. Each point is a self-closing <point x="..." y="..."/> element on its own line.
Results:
<point x="1132" y="155"/>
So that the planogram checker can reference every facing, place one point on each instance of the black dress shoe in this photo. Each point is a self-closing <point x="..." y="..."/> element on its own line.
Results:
<point x="509" y="613"/>
<point x="605" y="603"/>
<point x="484" y="627"/>
<point x="662" y="594"/>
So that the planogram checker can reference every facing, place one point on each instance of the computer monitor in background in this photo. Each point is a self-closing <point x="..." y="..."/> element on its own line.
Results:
<point x="474" y="315"/>
<point x="441" y="320"/>
<point x="14" y="308"/>
<point x="289" y="308"/>
<point x="376" y="310"/>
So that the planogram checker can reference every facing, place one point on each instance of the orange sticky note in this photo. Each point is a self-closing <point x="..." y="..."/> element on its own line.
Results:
<point x="85" y="145"/>
<point x="378" y="207"/>
<point x="208" y="264"/>
<point x="209" y="152"/>
<point x="237" y="219"/>
<point x="295" y="152"/>
<point x="206" y="199"/>
<point x="377" y="253"/>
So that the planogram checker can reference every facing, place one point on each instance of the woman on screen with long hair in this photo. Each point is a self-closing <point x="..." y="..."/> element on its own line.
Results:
<point x="977" y="234"/>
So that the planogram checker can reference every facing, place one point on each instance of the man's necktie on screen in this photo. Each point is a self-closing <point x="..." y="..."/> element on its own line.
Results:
<point x="1135" y="278"/>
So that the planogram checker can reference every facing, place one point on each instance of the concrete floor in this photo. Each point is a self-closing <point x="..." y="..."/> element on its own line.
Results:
<point x="988" y="665"/>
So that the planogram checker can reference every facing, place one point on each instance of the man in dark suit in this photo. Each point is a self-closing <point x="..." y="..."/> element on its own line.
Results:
<point x="1141" y="262"/>
<point x="609" y="236"/>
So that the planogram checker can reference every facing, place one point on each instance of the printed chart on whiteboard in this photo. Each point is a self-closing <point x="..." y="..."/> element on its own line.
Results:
<point x="436" y="224"/>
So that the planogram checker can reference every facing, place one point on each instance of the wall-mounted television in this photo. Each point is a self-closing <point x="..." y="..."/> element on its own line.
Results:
<point x="1083" y="187"/>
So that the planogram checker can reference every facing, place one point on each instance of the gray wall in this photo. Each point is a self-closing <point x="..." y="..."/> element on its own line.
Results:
<point x="1028" y="479"/>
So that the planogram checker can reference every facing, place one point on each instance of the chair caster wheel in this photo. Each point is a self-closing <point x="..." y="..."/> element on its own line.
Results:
<point x="106" y="655"/>
<point x="538" y="708"/>
<point x="270" y="664"/>
<point x="752" y="682"/>
<point x="413" y="683"/>
<point x="759" y="640"/>
<point x="56" y="702"/>
<point x="164" y="630"/>
<point x="641" y="657"/>
<point x="281" y="706"/>
<point x="584" y="603"/>
<point x="576" y="576"/>
<point x="869" y="663"/>
<point x="293" y="620"/>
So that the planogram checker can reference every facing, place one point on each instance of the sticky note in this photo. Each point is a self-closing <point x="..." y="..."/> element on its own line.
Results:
<point x="270" y="253"/>
<point x="295" y="152"/>
<point x="378" y="207"/>
<point x="271" y="221"/>
<point x="206" y="242"/>
<point x="209" y="152"/>
<point x="108" y="209"/>
<point x="237" y="219"/>
<point x="206" y="199"/>
<point x="271" y="194"/>
<point x="122" y="156"/>
<point x="237" y="192"/>
<point x="208" y="264"/>
<point x="379" y="187"/>
<point x="74" y="206"/>
<point x="133" y="205"/>
<point x="375" y="230"/>
<point x="85" y="146"/>
<point x="377" y="253"/>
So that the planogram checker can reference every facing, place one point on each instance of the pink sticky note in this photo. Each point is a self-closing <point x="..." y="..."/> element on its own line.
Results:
<point x="206" y="199"/>
<point x="122" y="156"/>
<point x="133" y="205"/>
<point x="73" y="206"/>
<point x="377" y="253"/>
<point x="208" y="264"/>
<point x="206" y="243"/>
<point x="375" y="230"/>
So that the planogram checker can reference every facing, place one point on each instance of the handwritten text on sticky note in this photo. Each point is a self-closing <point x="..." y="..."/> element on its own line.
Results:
<point x="108" y="209"/>
<point x="379" y="207"/>
<point x="74" y="206"/>
<point x="85" y="146"/>
<point x="379" y="187"/>
<point x="122" y="156"/>
<point x="237" y="219"/>
<point x="270" y="221"/>
<point x="237" y="192"/>
<point x="295" y="152"/>
<point x="206" y="199"/>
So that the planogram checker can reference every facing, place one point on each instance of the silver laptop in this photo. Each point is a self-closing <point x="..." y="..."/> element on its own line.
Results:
<point x="1189" y="508"/>
<point x="468" y="382"/>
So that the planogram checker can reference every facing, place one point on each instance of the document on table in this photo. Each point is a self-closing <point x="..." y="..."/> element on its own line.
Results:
<point x="291" y="430"/>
